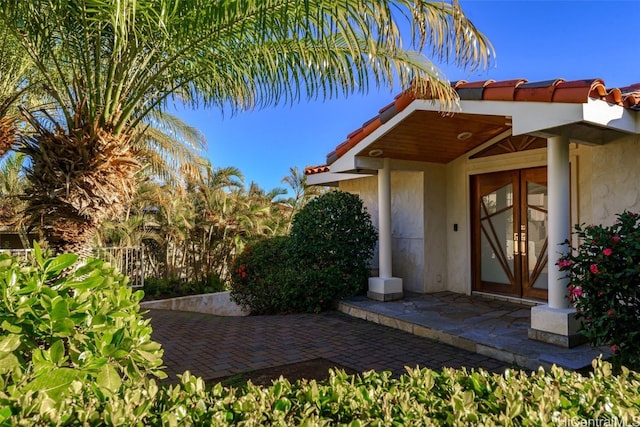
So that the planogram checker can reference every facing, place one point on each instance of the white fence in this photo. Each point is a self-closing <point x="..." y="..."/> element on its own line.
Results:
<point x="20" y="253"/>
<point x="128" y="260"/>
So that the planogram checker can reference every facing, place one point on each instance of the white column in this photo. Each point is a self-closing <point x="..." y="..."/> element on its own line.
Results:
<point x="384" y="220"/>
<point x="558" y="173"/>
<point x="555" y="322"/>
<point x="384" y="287"/>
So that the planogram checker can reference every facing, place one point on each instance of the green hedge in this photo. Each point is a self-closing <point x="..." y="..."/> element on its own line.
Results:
<point x="420" y="397"/>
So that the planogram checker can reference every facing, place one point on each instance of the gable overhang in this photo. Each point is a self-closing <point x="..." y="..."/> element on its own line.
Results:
<point x="423" y="131"/>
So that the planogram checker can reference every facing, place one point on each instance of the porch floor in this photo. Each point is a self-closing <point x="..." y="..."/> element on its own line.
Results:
<point x="481" y="324"/>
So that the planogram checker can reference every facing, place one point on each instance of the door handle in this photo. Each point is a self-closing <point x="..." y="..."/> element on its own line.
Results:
<point x="515" y="243"/>
<point x="523" y="243"/>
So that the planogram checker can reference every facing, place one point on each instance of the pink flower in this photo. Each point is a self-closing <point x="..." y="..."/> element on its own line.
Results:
<point x="611" y="313"/>
<point x="600" y="293"/>
<point x="575" y="292"/>
<point x="615" y="239"/>
<point x="564" y="263"/>
<point x="594" y="268"/>
<point x="614" y="348"/>
<point x="607" y="252"/>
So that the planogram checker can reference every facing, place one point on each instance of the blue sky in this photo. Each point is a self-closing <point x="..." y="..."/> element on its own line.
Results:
<point x="535" y="40"/>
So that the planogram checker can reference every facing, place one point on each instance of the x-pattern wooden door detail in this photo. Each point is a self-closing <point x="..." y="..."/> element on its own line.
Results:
<point x="509" y="214"/>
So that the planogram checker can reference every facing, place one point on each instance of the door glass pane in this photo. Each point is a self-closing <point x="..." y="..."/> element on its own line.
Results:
<point x="537" y="207"/>
<point x="496" y="240"/>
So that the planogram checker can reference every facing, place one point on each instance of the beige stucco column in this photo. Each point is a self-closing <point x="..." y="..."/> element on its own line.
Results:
<point x="385" y="287"/>
<point x="555" y="322"/>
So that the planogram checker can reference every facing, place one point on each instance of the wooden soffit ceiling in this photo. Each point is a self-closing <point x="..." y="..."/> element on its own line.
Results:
<point x="430" y="136"/>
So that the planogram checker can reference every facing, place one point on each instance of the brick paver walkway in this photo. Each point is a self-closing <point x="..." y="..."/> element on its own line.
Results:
<point x="212" y="347"/>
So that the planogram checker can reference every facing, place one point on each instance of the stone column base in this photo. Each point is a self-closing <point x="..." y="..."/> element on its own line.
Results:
<point x="385" y="288"/>
<point x="557" y="326"/>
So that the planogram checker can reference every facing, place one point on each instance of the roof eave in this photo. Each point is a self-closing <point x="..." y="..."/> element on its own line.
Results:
<point x="535" y="118"/>
<point x="331" y="179"/>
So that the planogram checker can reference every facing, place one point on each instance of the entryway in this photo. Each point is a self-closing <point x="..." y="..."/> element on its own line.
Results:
<point x="509" y="233"/>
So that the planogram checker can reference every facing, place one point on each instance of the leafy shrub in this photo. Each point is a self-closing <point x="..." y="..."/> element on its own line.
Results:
<point x="455" y="397"/>
<point x="264" y="278"/>
<point x="604" y="272"/>
<point x="61" y="327"/>
<point x="333" y="239"/>
<point x="324" y="259"/>
<point x="155" y="288"/>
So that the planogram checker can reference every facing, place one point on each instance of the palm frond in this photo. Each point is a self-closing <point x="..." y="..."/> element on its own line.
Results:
<point x="171" y="148"/>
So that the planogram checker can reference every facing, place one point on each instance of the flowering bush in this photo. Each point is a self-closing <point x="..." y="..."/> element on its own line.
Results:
<point x="604" y="272"/>
<point x="261" y="276"/>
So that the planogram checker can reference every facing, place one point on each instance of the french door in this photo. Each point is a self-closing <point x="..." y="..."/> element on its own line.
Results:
<point x="509" y="233"/>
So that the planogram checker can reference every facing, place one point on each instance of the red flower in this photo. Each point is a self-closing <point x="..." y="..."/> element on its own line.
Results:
<point x="600" y="293"/>
<point x="614" y="348"/>
<point x="574" y="292"/>
<point x="615" y="239"/>
<point x="611" y="313"/>
<point x="607" y="252"/>
<point x="564" y="263"/>
<point x="594" y="268"/>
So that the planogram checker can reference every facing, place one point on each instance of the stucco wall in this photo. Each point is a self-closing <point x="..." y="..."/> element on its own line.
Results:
<point x="407" y="225"/>
<point x="615" y="179"/>
<point x="407" y="222"/>
<point x="581" y="190"/>
<point x="435" y="224"/>
<point x="458" y="263"/>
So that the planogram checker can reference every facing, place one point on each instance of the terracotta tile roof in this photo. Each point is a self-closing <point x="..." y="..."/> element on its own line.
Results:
<point x="311" y="170"/>
<point x="558" y="90"/>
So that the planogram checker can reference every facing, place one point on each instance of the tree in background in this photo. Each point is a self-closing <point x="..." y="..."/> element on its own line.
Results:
<point x="12" y="186"/>
<point x="17" y="75"/>
<point x="302" y="192"/>
<point x="193" y="229"/>
<point x="107" y="66"/>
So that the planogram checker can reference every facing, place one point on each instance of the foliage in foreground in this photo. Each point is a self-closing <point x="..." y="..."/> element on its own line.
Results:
<point x="604" y="273"/>
<point x="64" y="327"/>
<point x="74" y="350"/>
<point x="324" y="259"/>
<point x="419" y="397"/>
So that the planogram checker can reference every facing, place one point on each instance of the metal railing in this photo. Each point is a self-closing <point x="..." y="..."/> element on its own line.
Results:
<point x="20" y="253"/>
<point x="128" y="260"/>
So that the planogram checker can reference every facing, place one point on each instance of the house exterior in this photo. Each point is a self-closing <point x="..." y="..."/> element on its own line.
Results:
<point x="481" y="198"/>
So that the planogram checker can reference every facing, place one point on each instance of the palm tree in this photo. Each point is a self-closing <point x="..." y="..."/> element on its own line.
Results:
<point x="302" y="193"/>
<point x="12" y="184"/>
<point x="17" y="75"/>
<point x="109" y="65"/>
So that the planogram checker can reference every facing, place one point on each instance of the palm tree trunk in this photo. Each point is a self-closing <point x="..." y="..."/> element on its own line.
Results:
<point x="78" y="180"/>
